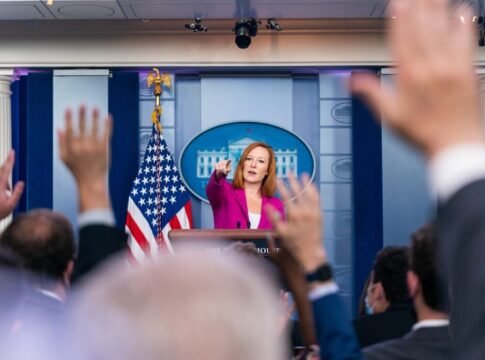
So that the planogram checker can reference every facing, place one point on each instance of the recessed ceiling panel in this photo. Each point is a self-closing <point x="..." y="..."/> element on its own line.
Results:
<point x="230" y="9"/>
<point x="76" y="9"/>
<point x="296" y="10"/>
<point x="23" y="10"/>
<point x="187" y="9"/>
<point x="182" y="11"/>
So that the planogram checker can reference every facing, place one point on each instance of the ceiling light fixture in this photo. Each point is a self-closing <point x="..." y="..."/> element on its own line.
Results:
<point x="196" y="26"/>
<point x="271" y="24"/>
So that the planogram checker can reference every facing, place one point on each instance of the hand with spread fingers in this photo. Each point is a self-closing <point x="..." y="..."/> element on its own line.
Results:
<point x="86" y="154"/>
<point x="301" y="234"/>
<point x="435" y="101"/>
<point x="222" y="168"/>
<point x="9" y="199"/>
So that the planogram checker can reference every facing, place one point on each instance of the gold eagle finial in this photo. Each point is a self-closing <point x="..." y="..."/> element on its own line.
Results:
<point x="159" y="80"/>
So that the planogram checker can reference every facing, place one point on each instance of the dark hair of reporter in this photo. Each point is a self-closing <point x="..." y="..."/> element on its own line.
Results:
<point x="44" y="242"/>
<point x="426" y="265"/>
<point x="390" y="269"/>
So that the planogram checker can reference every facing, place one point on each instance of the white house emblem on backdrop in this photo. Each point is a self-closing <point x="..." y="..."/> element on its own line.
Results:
<point x="342" y="112"/>
<point x="286" y="159"/>
<point x="228" y="141"/>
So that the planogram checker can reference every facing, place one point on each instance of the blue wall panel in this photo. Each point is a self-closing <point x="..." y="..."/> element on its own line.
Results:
<point x="306" y="114"/>
<point x="38" y="140"/>
<point x="71" y="89"/>
<point x="367" y="192"/>
<point x="123" y="105"/>
<point x="188" y="125"/>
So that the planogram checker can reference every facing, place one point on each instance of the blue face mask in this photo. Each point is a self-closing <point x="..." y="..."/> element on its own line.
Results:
<point x="368" y="309"/>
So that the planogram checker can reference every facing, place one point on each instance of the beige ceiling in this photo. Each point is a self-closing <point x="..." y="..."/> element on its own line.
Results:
<point x="186" y="9"/>
<point x="83" y="16"/>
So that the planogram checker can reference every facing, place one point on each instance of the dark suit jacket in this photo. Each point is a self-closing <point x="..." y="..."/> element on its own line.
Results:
<point x="461" y="231"/>
<point x="96" y="244"/>
<point x="393" y="323"/>
<point x="429" y="343"/>
<point x="335" y="334"/>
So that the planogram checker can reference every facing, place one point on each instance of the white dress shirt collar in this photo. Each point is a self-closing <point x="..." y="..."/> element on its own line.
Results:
<point x="431" y="323"/>
<point x="49" y="294"/>
<point x="455" y="167"/>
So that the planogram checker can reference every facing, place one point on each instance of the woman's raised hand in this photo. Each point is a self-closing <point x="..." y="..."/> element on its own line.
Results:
<point x="223" y="168"/>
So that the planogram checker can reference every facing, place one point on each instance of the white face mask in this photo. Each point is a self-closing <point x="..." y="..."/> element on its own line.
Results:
<point x="368" y="309"/>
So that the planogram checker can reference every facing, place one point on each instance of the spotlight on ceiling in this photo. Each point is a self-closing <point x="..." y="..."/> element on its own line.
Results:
<point x="245" y="29"/>
<point x="271" y="24"/>
<point x="196" y="26"/>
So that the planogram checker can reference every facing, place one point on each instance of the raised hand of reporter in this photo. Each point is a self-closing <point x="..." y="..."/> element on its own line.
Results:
<point x="302" y="231"/>
<point x="8" y="198"/>
<point x="435" y="101"/>
<point x="86" y="154"/>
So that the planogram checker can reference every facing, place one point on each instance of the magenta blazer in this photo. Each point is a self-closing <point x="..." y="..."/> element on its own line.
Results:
<point x="230" y="208"/>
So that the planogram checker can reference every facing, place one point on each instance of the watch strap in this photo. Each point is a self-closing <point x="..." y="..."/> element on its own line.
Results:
<point x="322" y="273"/>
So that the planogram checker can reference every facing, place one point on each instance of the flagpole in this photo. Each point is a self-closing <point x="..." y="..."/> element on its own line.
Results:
<point x="158" y="200"/>
<point x="158" y="80"/>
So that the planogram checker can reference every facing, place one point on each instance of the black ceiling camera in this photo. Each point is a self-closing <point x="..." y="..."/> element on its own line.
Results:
<point x="196" y="26"/>
<point x="245" y="29"/>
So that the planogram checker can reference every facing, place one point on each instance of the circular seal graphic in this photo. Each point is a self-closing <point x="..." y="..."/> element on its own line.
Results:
<point x="342" y="112"/>
<point x="342" y="168"/>
<point x="343" y="277"/>
<point x="145" y="135"/>
<point x="228" y="141"/>
<point x="342" y="225"/>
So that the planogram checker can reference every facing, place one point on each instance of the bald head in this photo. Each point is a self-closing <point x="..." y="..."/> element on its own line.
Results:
<point x="188" y="306"/>
<point x="43" y="240"/>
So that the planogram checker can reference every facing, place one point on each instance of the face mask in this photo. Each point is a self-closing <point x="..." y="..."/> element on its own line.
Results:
<point x="368" y="309"/>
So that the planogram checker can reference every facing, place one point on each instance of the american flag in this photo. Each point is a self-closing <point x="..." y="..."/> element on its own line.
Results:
<point x="159" y="202"/>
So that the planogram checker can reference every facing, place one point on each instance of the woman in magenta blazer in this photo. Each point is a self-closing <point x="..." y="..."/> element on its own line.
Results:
<point x="240" y="205"/>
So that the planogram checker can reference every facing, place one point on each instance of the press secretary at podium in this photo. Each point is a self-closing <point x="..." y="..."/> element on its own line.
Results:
<point x="240" y="204"/>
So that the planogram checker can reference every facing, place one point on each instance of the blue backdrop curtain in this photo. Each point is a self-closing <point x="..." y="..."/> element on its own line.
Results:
<point x="32" y="136"/>
<point x="367" y="190"/>
<point x="123" y="105"/>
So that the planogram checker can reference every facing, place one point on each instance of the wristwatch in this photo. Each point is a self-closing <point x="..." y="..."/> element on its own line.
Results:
<point x="322" y="273"/>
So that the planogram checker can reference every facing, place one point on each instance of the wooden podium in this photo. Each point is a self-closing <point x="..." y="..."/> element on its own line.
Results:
<point x="256" y="236"/>
<point x="220" y="234"/>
